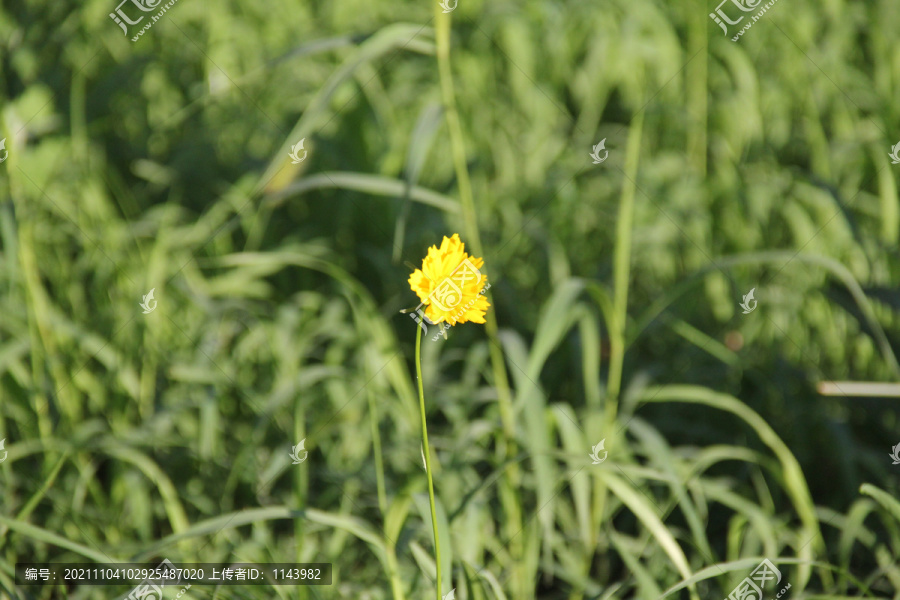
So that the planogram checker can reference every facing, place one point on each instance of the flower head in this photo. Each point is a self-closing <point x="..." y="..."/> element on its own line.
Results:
<point x="450" y="284"/>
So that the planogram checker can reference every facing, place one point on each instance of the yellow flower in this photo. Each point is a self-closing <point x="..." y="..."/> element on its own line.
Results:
<point x="450" y="284"/>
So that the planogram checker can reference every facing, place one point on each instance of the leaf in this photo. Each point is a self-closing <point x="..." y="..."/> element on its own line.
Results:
<point x="397" y="36"/>
<point x="364" y="182"/>
<point x="639" y="505"/>
<point x="48" y="537"/>
<point x="794" y="481"/>
<point x="886" y="501"/>
<point x="215" y="525"/>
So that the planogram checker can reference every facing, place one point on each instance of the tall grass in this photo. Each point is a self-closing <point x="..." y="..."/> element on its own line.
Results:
<point x="163" y="164"/>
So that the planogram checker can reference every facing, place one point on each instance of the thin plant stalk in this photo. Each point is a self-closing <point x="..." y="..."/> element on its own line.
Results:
<point x="427" y="452"/>
<point x="511" y="480"/>
<point x="621" y="278"/>
<point x="393" y="569"/>
<point x="379" y="461"/>
<point x="622" y="272"/>
<point x="301" y="490"/>
<point x="467" y="204"/>
<point x="697" y="87"/>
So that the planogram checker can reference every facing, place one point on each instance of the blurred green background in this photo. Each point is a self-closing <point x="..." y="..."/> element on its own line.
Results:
<point x="163" y="164"/>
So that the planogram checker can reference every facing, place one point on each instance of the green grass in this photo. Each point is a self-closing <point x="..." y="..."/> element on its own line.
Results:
<point x="163" y="164"/>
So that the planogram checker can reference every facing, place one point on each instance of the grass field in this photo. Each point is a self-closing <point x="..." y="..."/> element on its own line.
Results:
<point x="137" y="434"/>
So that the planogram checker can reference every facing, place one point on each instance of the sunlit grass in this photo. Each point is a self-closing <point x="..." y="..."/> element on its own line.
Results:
<point x="163" y="164"/>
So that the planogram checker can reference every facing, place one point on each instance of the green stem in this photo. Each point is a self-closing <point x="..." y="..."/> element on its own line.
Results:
<point x="379" y="461"/>
<point x="470" y="221"/>
<point x="622" y="271"/>
<point x="301" y="490"/>
<point x="427" y="452"/>
<point x="507" y="443"/>
<point x="697" y="87"/>
<point x="457" y="149"/>
<point x="621" y="277"/>
<point x="393" y="569"/>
